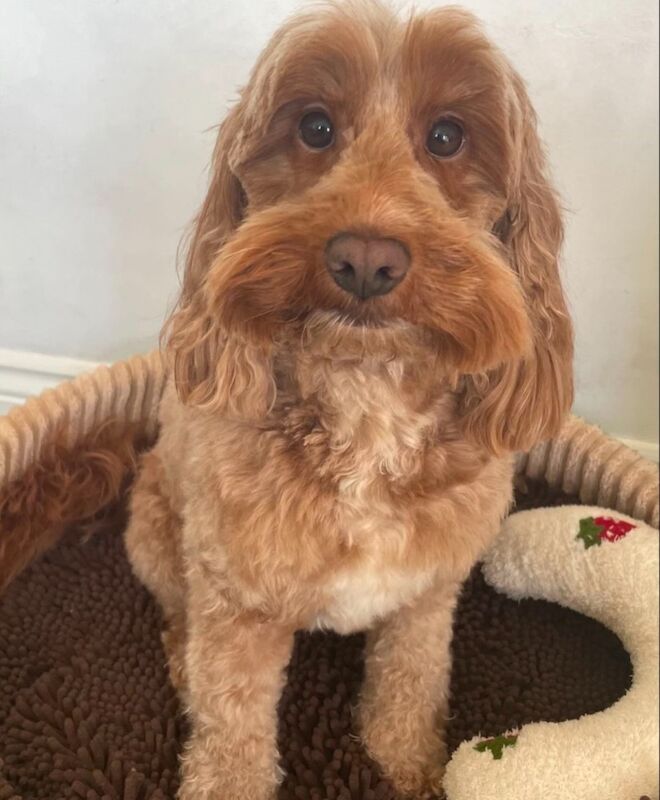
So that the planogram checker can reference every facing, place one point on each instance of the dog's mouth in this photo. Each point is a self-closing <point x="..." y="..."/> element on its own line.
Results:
<point x="343" y="321"/>
<point x="352" y="320"/>
<point x="357" y="318"/>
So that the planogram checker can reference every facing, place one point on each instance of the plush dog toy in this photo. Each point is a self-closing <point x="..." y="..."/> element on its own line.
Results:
<point x="605" y="565"/>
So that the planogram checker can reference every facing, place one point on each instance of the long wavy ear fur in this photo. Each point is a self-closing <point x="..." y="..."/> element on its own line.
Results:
<point x="524" y="402"/>
<point x="221" y="211"/>
<point x="212" y="369"/>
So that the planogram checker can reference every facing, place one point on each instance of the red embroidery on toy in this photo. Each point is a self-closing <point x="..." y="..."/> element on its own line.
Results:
<point x="613" y="529"/>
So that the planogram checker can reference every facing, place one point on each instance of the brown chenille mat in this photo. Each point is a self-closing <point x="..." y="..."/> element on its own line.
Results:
<point x="86" y="710"/>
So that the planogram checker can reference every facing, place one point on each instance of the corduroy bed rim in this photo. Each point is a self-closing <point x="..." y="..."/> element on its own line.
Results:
<point x="581" y="460"/>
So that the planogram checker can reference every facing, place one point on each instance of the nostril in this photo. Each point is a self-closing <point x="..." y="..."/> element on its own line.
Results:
<point x="384" y="273"/>
<point x="344" y="273"/>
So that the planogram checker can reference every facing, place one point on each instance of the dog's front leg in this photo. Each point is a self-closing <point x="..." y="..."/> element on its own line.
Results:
<point x="235" y="662"/>
<point x="404" y="700"/>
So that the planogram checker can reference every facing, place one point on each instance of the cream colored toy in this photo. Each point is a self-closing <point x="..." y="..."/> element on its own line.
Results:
<point x="605" y="565"/>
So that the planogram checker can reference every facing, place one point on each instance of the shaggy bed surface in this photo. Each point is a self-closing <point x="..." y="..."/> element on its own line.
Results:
<point x="87" y="711"/>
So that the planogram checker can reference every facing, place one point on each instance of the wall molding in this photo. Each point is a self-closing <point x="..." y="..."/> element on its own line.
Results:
<point x="650" y="450"/>
<point x="23" y="374"/>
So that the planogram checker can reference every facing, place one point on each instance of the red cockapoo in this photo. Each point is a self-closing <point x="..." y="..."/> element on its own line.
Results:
<point x="371" y="323"/>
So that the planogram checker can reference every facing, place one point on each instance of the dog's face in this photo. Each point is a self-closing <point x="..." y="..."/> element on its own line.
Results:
<point x="381" y="173"/>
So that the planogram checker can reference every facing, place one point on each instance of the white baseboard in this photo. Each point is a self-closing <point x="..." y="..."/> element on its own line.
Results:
<point x="649" y="450"/>
<point x="25" y="374"/>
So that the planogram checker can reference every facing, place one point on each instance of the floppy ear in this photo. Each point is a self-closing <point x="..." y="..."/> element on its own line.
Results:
<point x="221" y="211"/>
<point x="212" y="368"/>
<point x="523" y="402"/>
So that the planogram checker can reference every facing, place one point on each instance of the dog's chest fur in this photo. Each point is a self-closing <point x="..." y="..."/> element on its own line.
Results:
<point x="322" y="514"/>
<point x="376" y="442"/>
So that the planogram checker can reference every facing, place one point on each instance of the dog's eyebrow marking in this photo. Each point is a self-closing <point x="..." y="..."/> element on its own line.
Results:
<point x="345" y="69"/>
<point x="325" y="54"/>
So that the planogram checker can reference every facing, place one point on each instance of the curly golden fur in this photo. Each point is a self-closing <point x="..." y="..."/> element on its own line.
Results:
<point x="327" y="461"/>
<point x="65" y="487"/>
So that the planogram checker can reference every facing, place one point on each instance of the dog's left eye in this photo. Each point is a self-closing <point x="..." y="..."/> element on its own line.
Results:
<point x="316" y="130"/>
<point x="445" y="138"/>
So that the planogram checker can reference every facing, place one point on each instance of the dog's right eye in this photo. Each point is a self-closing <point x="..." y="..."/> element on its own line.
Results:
<point x="316" y="130"/>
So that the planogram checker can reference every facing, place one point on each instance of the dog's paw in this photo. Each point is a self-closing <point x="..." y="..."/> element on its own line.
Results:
<point x="190" y="791"/>
<point x="417" y="783"/>
<point x="414" y="764"/>
<point x="193" y="789"/>
<point x="216" y="768"/>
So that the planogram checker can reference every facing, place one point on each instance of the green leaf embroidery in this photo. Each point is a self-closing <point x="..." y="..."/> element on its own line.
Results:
<point x="496" y="746"/>
<point x="589" y="533"/>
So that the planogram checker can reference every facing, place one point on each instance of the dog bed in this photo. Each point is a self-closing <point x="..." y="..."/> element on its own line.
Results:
<point x="86" y="710"/>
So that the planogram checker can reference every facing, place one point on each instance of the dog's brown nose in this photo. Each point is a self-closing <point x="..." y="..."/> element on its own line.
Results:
<point x="366" y="267"/>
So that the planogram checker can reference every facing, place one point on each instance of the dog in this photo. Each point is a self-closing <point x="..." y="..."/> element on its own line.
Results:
<point x="371" y="323"/>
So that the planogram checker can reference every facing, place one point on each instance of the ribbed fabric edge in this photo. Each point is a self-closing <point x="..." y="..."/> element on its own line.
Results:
<point x="128" y="391"/>
<point x="602" y="471"/>
<point x="581" y="460"/>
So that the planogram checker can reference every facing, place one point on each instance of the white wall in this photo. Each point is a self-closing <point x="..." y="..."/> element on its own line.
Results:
<point x="105" y="110"/>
